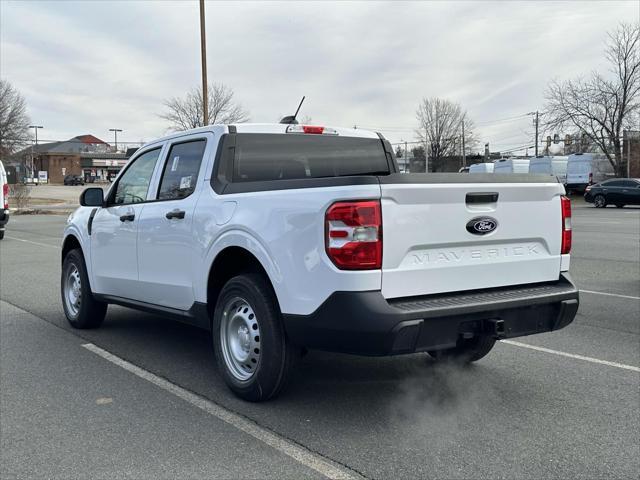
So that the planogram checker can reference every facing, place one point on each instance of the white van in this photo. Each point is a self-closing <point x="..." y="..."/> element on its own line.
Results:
<point x="585" y="169"/>
<point x="511" y="165"/>
<point x="555" y="165"/>
<point x="481" y="168"/>
<point x="4" y="200"/>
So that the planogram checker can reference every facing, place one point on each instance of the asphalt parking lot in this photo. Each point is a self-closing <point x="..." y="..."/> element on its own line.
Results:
<point x="143" y="399"/>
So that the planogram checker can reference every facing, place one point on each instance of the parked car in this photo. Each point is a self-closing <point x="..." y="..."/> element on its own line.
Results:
<point x="584" y="169"/>
<point x="4" y="200"/>
<point x="271" y="237"/>
<point x="73" y="180"/>
<point x="618" y="192"/>
<point x="486" y="167"/>
<point x="511" y="165"/>
<point x="550" y="165"/>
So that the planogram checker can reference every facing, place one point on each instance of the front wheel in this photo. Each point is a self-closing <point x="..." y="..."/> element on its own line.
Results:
<point x="80" y="308"/>
<point x="466" y="351"/>
<point x="600" y="201"/>
<point x="253" y="353"/>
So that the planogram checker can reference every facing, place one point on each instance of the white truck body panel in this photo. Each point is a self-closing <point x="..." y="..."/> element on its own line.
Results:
<point x="486" y="167"/>
<point x="554" y="165"/>
<point x="511" y="165"/>
<point x="427" y="249"/>
<point x="586" y="167"/>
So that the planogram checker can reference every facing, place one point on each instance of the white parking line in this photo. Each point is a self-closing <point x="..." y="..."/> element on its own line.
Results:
<point x="297" y="452"/>
<point x="610" y="294"/>
<point x="33" y="243"/>
<point x="572" y="355"/>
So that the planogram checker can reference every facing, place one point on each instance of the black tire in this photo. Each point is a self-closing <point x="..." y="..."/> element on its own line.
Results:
<point x="88" y="313"/>
<point x="600" y="201"/>
<point x="1" y="234"/>
<point x="619" y="205"/>
<point x="467" y="350"/>
<point x="269" y="375"/>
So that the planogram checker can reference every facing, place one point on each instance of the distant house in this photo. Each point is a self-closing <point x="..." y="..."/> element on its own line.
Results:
<point x="85" y="155"/>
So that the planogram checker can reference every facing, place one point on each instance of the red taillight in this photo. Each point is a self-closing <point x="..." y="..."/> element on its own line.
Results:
<point x="565" y="204"/>
<point x="354" y="235"/>
<point x="5" y="195"/>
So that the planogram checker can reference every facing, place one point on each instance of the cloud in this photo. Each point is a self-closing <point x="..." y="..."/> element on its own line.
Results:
<point x="85" y="67"/>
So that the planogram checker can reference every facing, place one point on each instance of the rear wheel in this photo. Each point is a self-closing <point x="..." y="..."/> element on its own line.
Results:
<point x="466" y="351"/>
<point x="253" y="353"/>
<point x="600" y="201"/>
<point x="1" y="234"/>
<point x="80" y="308"/>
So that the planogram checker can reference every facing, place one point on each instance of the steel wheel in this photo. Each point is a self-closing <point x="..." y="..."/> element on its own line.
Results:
<point x="73" y="290"/>
<point x="600" y="201"/>
<point x="240" y="338"/>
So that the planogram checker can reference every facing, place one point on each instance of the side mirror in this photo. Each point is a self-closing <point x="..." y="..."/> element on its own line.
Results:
<point x="92" y="197"/>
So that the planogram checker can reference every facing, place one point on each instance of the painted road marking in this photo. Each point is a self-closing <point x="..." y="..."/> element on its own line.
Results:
<point x="33" y="243"/>
<point x="610" y="294"/>
<point x="293" y="450"/>
<point x="572" y="355"/>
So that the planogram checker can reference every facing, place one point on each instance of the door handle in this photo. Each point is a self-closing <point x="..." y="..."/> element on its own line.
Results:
<point x="129" y="217"/>
<point x="175" y="214"/>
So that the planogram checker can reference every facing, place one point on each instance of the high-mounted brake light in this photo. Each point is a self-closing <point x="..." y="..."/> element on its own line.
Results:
<point x="565" y="204"/>
<point x="311" y="129"/>
<point x="5" y="195"/>
<point x="354" y="235"/>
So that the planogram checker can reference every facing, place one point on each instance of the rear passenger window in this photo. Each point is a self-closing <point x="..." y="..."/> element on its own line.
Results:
<point x="267" y="157"/>
<point x="181" y="170"/>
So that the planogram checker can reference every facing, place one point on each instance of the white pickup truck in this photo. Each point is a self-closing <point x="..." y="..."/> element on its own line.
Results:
<point x="280" y="238"/>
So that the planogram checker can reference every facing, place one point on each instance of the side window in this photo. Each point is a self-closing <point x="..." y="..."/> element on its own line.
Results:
<point x="629" y="184"/>
<point x="134" y="183"/>
<point x="181" y="170"/>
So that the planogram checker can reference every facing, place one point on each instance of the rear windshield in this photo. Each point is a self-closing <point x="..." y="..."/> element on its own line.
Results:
<point x="262" y="157"/>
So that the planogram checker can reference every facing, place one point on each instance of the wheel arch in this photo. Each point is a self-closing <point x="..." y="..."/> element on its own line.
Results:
<point x="71" y="242"/>
<point x="229" y="262"/>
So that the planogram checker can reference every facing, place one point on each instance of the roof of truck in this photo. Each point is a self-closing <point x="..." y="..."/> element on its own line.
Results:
<point x="264" y="128"/>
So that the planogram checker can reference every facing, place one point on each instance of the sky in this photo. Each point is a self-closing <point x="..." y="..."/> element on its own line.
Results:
<point x="85" y="67"/>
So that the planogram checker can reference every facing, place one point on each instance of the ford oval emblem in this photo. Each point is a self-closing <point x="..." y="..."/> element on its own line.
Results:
<point x="482" y="225"/>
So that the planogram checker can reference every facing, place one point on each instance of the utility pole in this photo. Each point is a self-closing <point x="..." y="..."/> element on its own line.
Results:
<point x="35" y="127"/>
<point x="464" y="153"/>
<point x="628" y="132"/>
<point x="115" y="133"/>
<point x="536" y="142"/>
<point x="203" y="51"/>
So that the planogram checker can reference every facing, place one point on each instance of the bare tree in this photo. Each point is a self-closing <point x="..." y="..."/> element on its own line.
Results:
<point x="184" y="113"/>
<point x="600" y="106"/>
<point x="14" y="121"/>
<point x="440" y="128"/>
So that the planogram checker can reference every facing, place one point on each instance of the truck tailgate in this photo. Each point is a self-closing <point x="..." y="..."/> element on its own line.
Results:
<point x="431" y="246"/>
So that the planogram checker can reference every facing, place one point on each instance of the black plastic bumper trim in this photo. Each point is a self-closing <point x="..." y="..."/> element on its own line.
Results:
<point x="366" y="323"/>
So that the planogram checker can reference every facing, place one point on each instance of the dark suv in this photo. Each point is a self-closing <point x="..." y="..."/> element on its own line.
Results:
<point x="618" y="192"/>
<point x="74" y="180"/>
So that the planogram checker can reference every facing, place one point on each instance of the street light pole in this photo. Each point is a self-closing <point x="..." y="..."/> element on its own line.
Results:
<point x="35" y="128"/>
<point x="203" y="51"/>
<point x="115" y="134"/>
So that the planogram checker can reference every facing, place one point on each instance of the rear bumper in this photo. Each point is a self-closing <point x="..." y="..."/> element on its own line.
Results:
<point x="4" y="217"/>
<point x="365" y="323"/>
<point x="578" y="187"/>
